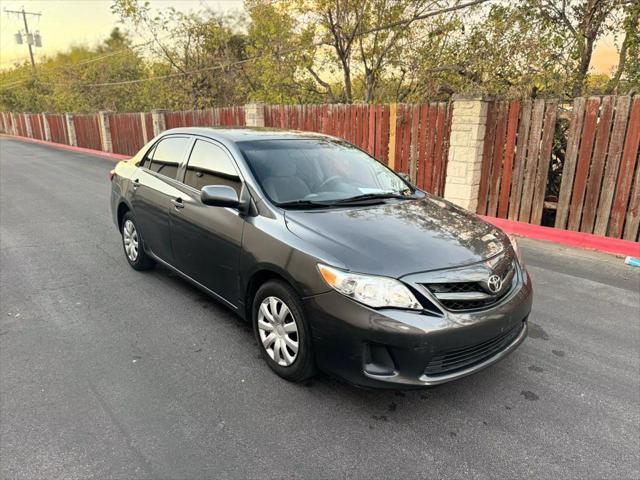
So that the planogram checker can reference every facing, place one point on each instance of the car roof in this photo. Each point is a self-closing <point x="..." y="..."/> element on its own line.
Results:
<point x="245" y="134"/>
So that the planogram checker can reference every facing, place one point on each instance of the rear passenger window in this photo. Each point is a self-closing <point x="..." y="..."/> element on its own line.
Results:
<point x="210" y="165"/>
<point x="167" y="156"/>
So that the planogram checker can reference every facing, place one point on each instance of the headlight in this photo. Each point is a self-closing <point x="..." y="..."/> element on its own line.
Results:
<point x="371" y="290"/>
<point x="516" y="249"/>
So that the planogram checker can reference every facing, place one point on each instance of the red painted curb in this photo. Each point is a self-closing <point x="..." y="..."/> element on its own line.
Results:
<point x="568" y="237"/>
<point x="100" y="153"/>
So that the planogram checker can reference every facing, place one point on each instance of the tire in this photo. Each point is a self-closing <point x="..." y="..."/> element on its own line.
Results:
<point x="133" y="245"/>
<point x="293" y="365"/>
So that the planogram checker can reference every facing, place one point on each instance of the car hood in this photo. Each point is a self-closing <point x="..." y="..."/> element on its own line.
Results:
<point x="398" y="237"/>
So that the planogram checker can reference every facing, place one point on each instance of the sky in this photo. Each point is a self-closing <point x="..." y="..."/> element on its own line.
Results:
<point x="67" y="22"/>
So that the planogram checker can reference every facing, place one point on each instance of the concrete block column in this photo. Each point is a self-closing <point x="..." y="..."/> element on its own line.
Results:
<point x="143" y="123"/>
<point x="71" y="129"/>
<point x="468" y="125"/>
<point x="45" y="127"/>
<point x="105" y="131"/>
<point x="27" y="124"/>
<point x="254" y="114"/>
<point x="159" y="124"/>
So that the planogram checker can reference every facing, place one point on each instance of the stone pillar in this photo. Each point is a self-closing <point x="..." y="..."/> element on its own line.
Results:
<point x="45" y="127"/>
<point x="71" y="129"/>
<point x="143" y="123"/>
<point x="159" y="125"/>
<point x="5" y="123"/>
<point x="14" y="124"/>
<point x="254" y="114"/>
<point x="105" y="131"/>
<point x="465" y="150"/>
<point x="27" y="124"/>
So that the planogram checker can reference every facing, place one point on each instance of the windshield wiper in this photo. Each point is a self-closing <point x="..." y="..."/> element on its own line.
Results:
<point x="373" y="196"/>
<point x="305" y="204"/>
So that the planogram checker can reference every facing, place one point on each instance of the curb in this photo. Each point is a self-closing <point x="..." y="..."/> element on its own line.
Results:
<point x="549" y="234"/>
<point x="63" y="146"/>
<point x="568" y="237"/>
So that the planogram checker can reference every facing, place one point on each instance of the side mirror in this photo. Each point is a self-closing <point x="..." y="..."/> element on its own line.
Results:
<point x="219" y="196"/>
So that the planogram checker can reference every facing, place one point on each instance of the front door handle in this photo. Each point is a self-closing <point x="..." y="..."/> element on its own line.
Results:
<point x="177" y="202"/>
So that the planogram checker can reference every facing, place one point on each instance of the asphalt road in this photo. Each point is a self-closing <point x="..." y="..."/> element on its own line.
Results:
<point x="107" y="372"/>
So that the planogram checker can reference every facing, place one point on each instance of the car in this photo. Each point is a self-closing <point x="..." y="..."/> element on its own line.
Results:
<point x="339" y="263"/>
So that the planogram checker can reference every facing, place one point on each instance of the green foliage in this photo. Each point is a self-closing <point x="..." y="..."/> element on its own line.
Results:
<point x="313" y="51"/>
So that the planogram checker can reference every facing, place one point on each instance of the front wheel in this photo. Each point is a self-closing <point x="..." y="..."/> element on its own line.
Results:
<point x="132" y="244"/>
<point x="282" y="332"/>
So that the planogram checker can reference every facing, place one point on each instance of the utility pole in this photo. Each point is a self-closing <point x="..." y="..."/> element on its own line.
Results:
<point x="30" y="37"/>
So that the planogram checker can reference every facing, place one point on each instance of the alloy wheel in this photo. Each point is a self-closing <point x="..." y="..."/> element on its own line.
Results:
<point x="130" y="238"/>
<point x="278" y="331"/>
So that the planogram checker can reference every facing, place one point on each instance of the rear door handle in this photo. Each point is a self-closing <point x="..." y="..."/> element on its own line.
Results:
<point x="177" y="202"/>
<point x="136" y="183"/>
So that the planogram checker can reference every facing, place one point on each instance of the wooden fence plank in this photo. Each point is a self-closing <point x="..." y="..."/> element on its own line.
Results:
<point x="517" y="178"/>
<point x="509" y="150"/>
<point x="487" y="155"/>
<point x="422" y="145"/>
<point x="406" y="138"/>
<point x="530" y="167"/>
<point x="594" y="183"/>
<point x="570" y="159"/>
<point x="584" y="161"/>
<point x="393" y="113"/>
<point x="627" y="167"/>
<point x="612" y="166"/>
<point x="413" y="149"/>
<point x="544" y="159"/>
<point x="430" y="147"/>
<point x="497" y="157"/>
<point x="438" y="151"/>
<point x="632" y="221"/>
<point x="445" y="148"/>
<point x="372" y="129"/>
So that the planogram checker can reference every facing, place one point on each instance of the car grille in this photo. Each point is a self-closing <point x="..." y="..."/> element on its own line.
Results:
<point x="443" y="363"/>
<point x="462" y="296"/>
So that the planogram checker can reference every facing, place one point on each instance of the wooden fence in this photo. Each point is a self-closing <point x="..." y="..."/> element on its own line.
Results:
<point x="411" y="138"/>
<point x="572" y="166"/>
<point x="600" y="178"/>
<point x="87" y="129"/>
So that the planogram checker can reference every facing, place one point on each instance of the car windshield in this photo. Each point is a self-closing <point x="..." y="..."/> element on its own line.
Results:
<point x="319" y="171"/>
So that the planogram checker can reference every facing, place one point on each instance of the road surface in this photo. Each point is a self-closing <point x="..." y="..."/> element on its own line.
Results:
<point x="111" y="373"/>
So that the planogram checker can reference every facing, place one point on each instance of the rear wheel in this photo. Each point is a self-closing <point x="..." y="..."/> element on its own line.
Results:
<point x="282" y="332"/>
<point x="132" y="244"/>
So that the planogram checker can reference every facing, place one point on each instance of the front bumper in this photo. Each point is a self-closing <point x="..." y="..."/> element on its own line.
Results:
<point x="391" y="348"/>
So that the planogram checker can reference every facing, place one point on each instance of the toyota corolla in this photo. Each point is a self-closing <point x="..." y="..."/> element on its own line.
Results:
<point x="339" y="263"/>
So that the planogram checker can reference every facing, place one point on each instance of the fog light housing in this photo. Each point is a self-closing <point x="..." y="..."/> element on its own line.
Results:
<point x="378" y="361"/>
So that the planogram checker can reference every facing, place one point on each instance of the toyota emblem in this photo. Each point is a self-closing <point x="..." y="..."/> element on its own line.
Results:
<point x="494" y="283"/>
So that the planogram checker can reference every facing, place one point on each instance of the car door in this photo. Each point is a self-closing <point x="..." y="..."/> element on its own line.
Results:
<point x="154" y="188"/>
<point x="206" y="239"/>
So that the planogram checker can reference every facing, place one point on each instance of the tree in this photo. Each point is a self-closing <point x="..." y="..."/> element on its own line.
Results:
<point x="581" y="23"/>
<point x="203" y="54"/>
<point x="629" y="58"/>
<point x="369" y="34"/>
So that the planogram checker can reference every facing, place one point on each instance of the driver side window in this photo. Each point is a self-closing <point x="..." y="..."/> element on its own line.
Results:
<point x="209" y="164"/>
